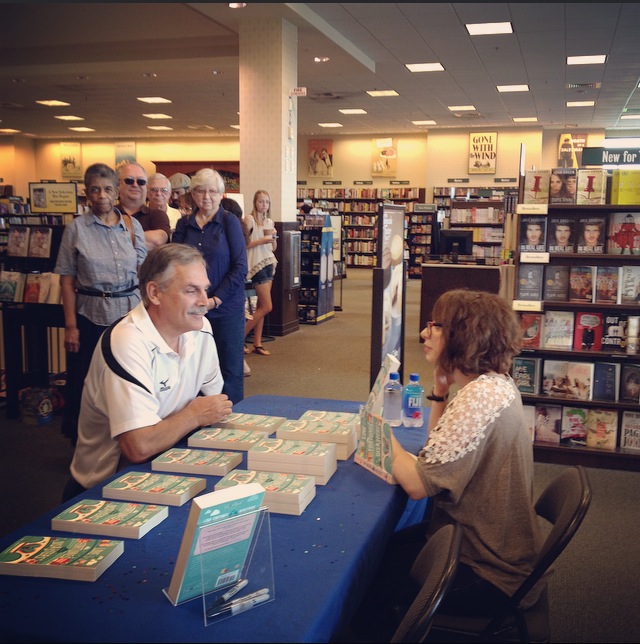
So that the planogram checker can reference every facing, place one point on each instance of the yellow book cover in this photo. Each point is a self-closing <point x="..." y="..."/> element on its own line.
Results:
<point x="628" y="187"/>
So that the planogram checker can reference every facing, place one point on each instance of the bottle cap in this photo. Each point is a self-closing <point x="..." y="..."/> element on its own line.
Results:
<point x="394" y="375"/>
<point x="414" y="376"/>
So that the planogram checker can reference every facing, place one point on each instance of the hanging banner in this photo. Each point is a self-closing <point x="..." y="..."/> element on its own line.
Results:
<point x="71" y="160"/>
<point x="483" y="152"/>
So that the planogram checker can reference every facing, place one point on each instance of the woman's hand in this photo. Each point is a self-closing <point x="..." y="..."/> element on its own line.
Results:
<point x="72" y="339"/>
<point x="441" y="382"/>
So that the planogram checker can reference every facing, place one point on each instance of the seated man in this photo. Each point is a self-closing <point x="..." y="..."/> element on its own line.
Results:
<point x="141" y="395"/>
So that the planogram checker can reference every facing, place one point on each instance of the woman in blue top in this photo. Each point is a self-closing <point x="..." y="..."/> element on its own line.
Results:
<point x="218" y="235"/>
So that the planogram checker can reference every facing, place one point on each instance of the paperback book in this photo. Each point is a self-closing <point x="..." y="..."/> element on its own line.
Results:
<point x="530" y="420"/>
<point x="343" y="417"/>
<point x="237" y="420"/>
<point x="216" y="538"/>
<point x="592" y="230"/>
<point x="76" y="558"/>
<point x="561" y="234"/>
<point x="554" y="378"/>
<point x="629" y="284"/>
<point x="563" y="186"/>
<point x="548" y="424"/>
<point x="294" y="457"/>
<point x="533" y="233"/>
<point x="629" y="382"/>
<point x="536" y="186"/>
<point x="556" y="283"/>
<point x="625" y="187"/>
<point x="607" y="279"/>
<point x="119" y="519"/>
<point x="222" y="438"/>
<point x="18" y="242"/>
<point x="343" y="435"/>
<point x="40" y="242"/>
<point x="623" y="234"/>
<point x="588" y="331"/>
<point x="630" y="430"/>
<point x="148" y="487"/>
<point x="574" y="426"/>
<point x="592" y="187"/>
<point x="606" y="381"/>
<point x="526" y="374"/>
<point x="284" y="493"/>
<point x="580" y="380"/>
<point x="614" y="332"/>
<point x="602" y="429"/>
<point x="11" y="286"/>
<point x="558" y="330"/>
<point x="581" y="283"/>
<point x="532" y="326"/>
<point x="530" y="282"/>
<point x="196" y="461"/>
<point x="35" y="288"/>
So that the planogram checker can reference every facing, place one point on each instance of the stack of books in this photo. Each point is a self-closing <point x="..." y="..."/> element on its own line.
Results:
<point x="294" y="457"/>
<point x="221" y="438"/>
<point x="343" y="435"/>
<point x="237" y="420"/>
<point x="147" y="487"/>
<point x="351" y="419"/>
<point x="196" y="461"/>
<point x="284" y="493"/>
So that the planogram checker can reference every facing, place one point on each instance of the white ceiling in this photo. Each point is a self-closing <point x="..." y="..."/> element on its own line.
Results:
<point x="100" y="57"/>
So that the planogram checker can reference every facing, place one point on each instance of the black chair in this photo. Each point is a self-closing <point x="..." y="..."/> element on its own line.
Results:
<point x="433" y="570"/>
<point x="564" y="504"/>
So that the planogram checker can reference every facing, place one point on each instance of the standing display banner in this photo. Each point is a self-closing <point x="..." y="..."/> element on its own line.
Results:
<point x="388" y="296"/>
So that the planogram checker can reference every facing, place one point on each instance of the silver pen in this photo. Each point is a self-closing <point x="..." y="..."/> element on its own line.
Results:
<point x="240" y="605"/>
<point x="225" y="597"/>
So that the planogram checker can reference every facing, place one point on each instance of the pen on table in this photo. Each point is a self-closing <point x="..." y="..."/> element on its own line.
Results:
<point x="225" y="597"/>
<point x="239" y="605"/>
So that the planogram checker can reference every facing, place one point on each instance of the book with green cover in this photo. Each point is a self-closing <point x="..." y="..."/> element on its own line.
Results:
<point x="110" y="518"/>
<point x="74" y="558"/>
<point x="196" y="461"/>
<point x="237" y="420"/>
<point x="149" y="487"/>
<point x="284" y="493"/>
<point x="216" y="538"/>
<point x="223" y="438"/>
<point x="343" y="435"/>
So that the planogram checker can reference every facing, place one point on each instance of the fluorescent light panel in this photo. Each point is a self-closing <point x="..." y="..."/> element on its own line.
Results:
<point x="629" y="117"/>
<point x="382" y="92"/>
<point x="157" y="116"/>
<point x="580" y="103"/>
<point x="159" y="127"/>
<point x="8" y="130"/>
<point x="69" y="118"/>
<point x="330" y="124"/>
<point x="53" y="103"/>
<point x="489" y="28"/>
<point x="424" y="122"/>
<point x="512" y="88"/>
<point x="153" y="99"/>
<point x="599" y="59"/>
<point x="424" y="67"/>
<point x="82" y="129"/>
<point x="461" y="108"/>
<point x="525" y="119"/>
<point x="355" y="110"/>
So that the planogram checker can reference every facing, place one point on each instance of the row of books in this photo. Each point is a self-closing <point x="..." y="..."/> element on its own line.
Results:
<point x="615" y="234"/>
<point x="578" y="380"/>
<point x="577" y="426"/>
<point x="579" y="283"/>
<point x="29" y="241"/>
<point x="575" y="331"/>
<point x="34" y="288"/>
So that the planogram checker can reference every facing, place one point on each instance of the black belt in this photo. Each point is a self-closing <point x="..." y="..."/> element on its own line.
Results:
<point x="96" y="293"/>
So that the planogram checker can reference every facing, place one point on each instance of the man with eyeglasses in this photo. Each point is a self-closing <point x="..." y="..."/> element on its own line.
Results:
<point x="158" y="195"/>
<point x="132" y="185"/>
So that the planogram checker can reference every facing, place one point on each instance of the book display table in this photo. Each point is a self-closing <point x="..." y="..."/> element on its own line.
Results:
<point x="323" y="561"/>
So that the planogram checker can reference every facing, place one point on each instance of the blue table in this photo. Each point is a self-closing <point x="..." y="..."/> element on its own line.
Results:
<point x="323" y="561"/>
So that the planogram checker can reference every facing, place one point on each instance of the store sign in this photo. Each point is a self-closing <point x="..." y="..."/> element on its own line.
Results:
<point x="610" y="156"/>
<point x="458" y="180"/>
<point x="363" y="183"/>
<point x="332" y="183"/>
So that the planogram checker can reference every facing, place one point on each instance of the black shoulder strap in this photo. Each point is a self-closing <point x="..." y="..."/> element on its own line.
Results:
<point x="112" y="363"/>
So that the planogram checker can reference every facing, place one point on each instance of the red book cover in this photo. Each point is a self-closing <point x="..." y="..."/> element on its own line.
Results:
<point x="531" y="324"/>
<point x="587" y="335"/>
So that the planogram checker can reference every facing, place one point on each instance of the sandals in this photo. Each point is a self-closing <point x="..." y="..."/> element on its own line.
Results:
<point x="259" y="349"/>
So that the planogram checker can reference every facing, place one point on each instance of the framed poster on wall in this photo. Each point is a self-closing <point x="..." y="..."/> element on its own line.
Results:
<point x="483" y="152"/>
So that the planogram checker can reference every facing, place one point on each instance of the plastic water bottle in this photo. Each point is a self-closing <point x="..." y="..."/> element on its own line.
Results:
<point x="392" y="402"/>
<point x="413" y="402"/>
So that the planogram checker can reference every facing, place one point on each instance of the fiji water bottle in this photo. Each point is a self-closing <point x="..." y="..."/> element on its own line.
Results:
<point x="413" y="402"/>
<point x="392" y="402"/>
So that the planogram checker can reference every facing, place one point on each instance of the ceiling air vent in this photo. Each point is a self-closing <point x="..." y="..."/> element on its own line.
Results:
<point x="468" y="115"/>
<point x="583" y="86"/>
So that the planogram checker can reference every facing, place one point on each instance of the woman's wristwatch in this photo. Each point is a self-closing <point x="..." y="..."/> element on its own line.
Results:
<point x="435" y="398"/>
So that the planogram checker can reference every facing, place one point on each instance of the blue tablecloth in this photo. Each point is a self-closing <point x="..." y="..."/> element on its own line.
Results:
<point x="323" y="561"/>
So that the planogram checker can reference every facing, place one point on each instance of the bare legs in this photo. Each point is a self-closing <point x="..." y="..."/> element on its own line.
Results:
<point x="263" y="308"/>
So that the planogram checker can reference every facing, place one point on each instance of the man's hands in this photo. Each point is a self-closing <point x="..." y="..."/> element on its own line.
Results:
<point x="210" y="410"/>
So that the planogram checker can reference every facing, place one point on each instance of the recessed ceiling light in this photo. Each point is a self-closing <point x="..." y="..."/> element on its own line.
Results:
<point x="424" y="67"/>
<point x="512" y="88"/>
<point x="461" y="108"/>
<point x="330" y="124"/>
<point x="8" y="130"/>
<point x="424" y="122"/>
<point x="355" y="110"/>
<point x="159" y="127"/>
<point x="237" y="5"/>
<point x="321" y="59"/>
<point x="53" y="103"/>
<point x="383" y="92"/>
<point x="580" y="103"/>
<point x="82" y="129"/>
<point x="153" y="99"/>
<point x="489" y="28"/>
<point x="587" y="60"/>
<point x="69" y="118"/>
<point x="525" y="119"/>
<point x="157" y="116"/>
<point x="235" y="127"/>
<point x="149" y="75"/>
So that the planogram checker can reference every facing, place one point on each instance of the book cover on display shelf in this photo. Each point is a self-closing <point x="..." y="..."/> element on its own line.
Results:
<point x="227" y="519"/>
<point x="530" y="284"/>
<point x="574" y="426"/>
<point x="629" y="285"/>
<point x="625" y="186"/>
<point x="629" y="383"/>
<point x="536" y="186"/>
<point x="561" y="234"/>
<point x="40" y="242"/>
<point x="606" y="381"/>
<point x="548" y="424"/>
<point x="607" y="280"/>
<point x="18" y="241"/>
<point x="556" y="283"/>
<point x="582" y="283"/>
<point x="592" y="231"/>
<point x="526" y="374"/>
<point x="150" y="487"/>
<point x="532" y="327"/>
<point x="11" y="286"/>
<point x="580" y="380"/>
<point x="557" y="332"/>
<point x="602" y="429"/>
<point x="614" y="332"/>
<point x="554" y="378"/>
<point x="533" y="233"/>
<point x="344" y="436"/>
<point x="630" y="430"/>
<point x="221" y="438"/>
<point x="285" y="493"/>
<point x="588" y="331"/>
<point x="196" y="461"/>
<point x="76" y="558"/>
<point x="119" y="519"/>
<point x="592" y="187"/>
<point x="623" y="234"/>
<point x="563" y="185"/>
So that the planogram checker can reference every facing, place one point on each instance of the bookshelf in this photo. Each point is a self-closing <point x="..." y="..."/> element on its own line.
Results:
<point x="422" y="237"/>
<point x="620" y="457"/>
<point x="485" y="218"/>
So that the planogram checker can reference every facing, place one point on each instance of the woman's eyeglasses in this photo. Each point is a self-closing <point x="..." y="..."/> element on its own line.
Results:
<point x="129" y="181"/>
<point x="431" y="325"/>
<point x="201" y="192"/>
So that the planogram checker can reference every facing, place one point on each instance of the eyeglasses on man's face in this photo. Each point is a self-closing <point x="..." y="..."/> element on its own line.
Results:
<point x="164" y="191"/>
<point x="201" y="192"/>
<point x="130" y="181"/>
